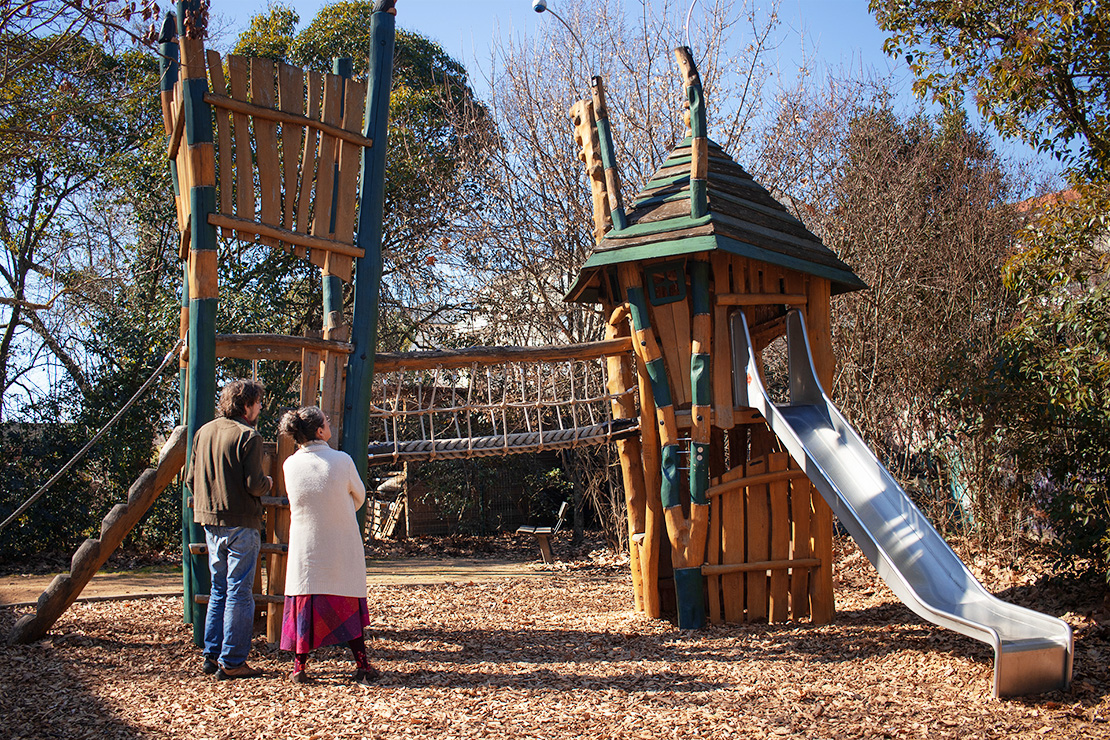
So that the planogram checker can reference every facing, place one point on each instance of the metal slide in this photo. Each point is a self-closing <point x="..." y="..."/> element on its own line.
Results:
<point x="1033" y="651"/>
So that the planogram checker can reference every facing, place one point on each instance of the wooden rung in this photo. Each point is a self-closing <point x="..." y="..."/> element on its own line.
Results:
<point x="716" y="570"/>
<point x="269" y="114"/>
<point x="639" y="538"/>
<point x="278" y="232"/>
<point x="258" y="598"/>
<point x="761" y="299"/>
<point x="753" y="480"/>
<point x="267" y="548"/>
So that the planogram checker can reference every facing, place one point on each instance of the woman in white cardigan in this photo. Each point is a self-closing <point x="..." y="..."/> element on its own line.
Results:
<point x="325" y="581"/>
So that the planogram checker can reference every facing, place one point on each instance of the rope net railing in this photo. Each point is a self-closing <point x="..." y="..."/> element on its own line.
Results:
<point x="483" y="409"/>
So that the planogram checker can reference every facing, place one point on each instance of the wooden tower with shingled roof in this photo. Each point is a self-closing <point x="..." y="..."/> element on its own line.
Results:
<point x="721" y="519"/>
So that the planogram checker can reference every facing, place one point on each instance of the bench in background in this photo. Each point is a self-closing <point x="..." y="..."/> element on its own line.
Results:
<point x="543" y="535"/>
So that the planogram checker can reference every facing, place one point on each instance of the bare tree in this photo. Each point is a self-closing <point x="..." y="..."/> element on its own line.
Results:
<point x="920" y="209"/>
<point x="535" y="229"/>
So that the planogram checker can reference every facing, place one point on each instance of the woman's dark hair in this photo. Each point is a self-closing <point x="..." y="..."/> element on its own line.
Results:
<point x="302" y="424"/>
<point x="237" y="395"/>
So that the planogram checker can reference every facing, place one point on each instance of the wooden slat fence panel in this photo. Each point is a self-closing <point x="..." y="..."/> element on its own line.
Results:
<point x="291" y="100"/>
<point x="238" y="72"/>
<point x="266" y="146"/>
<point x="325" y="168"/>
<point x="305" y="188"/>
<point x="779" y="493"/>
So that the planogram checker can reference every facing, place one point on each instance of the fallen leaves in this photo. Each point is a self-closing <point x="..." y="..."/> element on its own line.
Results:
<point x="561" y="657"/>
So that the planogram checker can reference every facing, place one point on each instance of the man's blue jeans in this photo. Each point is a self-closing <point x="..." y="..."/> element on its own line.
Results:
<point x="229" y="625"/>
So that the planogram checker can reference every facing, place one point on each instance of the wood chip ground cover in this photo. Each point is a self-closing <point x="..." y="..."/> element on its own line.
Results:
<point x="562" y="657"/>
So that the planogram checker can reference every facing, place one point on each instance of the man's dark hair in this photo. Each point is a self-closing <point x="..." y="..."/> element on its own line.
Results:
<point x="236" y="396"/>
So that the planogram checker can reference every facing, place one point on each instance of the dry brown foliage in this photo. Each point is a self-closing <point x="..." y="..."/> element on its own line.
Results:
<point x="562" y="657"/>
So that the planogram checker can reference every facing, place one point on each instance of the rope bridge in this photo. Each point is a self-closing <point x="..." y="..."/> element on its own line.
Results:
<point x="487" y="401"/>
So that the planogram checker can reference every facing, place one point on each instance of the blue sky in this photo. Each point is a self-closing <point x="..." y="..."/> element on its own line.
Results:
<point x="838" y="35"/>
<point x="840" y="32"/>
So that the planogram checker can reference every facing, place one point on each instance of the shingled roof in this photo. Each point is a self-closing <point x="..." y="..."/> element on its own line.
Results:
<point x="743" y="219"/>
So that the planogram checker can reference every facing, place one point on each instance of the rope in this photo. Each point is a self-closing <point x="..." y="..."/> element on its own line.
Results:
<point x="507" y="408"/>
<point x="81" y="453"/>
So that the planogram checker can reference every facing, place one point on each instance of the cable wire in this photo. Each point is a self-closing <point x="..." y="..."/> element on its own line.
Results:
<point x="81" y="453"/>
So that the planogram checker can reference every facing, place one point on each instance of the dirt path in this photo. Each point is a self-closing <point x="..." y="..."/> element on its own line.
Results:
<point x="21" y="590"/>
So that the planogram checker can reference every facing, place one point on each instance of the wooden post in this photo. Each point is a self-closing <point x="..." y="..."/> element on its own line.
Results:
<point x="203" y="280"/>
<point x="169" y="67"/>
<point x="368" y="268"/>
<point x="278" y="533"/>
<point x="335" y="328"/>
<point x="819" y="330"/>
<point x="699" y="137"/>
<point x="619" y="371"/>
<point x="608" y="158"/>
<point x="701" y="427"/>
<point x="687" y="536"/>
<point x="589" y="151"/>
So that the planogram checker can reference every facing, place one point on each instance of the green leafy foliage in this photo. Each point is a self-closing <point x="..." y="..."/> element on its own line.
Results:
<point x="1047" y="398"/>
<point x="1036" y="68"/>
<point x="488" y="494"/>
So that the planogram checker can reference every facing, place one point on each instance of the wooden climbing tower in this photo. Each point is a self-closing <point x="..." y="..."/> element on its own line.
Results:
<point x="721" y="518"/>
<point x="269" y="154"/>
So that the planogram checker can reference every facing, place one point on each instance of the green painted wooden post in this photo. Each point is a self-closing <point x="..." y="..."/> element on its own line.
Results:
<point x="608" y="158"/>
<point x="699" y="136"/>
<point x="368" y="268"/>
<point x="200" y="405"/>
<point x="689" y="582"/>
<point x="168" y="67"/>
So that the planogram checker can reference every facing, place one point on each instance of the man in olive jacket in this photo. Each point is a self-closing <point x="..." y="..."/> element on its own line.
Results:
<point x="226" y="477"/>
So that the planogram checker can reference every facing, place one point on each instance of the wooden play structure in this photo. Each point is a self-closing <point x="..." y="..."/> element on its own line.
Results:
<point x="708" y="478"/>
<point x="718" y="514"/>
<point x="702" y="280"/>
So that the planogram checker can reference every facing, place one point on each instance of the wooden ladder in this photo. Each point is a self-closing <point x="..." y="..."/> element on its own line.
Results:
<point x="93" y="553"/>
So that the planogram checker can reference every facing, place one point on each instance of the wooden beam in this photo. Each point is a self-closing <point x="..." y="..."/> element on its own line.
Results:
<point x="273" y="346"/>
<point x="761" y="299"/>
<point x="753" y="480"/>
<point x="391" y="361"/>
<point x="285" y="235"/>
<point x="269" y="114"/>
<point x="716" y="570"/>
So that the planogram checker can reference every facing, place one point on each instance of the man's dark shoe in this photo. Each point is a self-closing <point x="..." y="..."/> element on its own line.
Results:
<point x="209" y="666"/>
<point x="366" y="677"/>
<point x="240" y="671"/>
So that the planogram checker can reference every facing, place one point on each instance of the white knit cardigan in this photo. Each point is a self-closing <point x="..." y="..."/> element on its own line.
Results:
<point x="325" y="547"/>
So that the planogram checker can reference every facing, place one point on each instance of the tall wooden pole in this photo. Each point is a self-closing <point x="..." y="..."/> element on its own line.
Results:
<point x="368" y="268"/>
<point x="168" y="68"/>
<point x="699" y="138"/>
<point x="203" y="279"/>
<point x="608" y="155"/>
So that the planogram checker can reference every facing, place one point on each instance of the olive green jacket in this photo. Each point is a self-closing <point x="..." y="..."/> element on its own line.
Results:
<point x="225" y="474"/>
